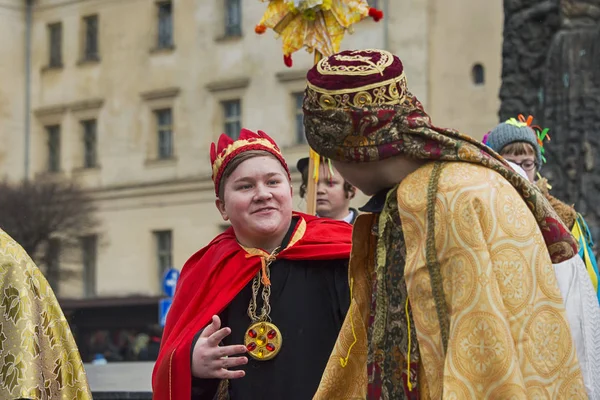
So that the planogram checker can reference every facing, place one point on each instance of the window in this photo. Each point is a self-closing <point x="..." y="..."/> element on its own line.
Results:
<point x="55" y="44"/>
<point x="165" y="25"/>
<point x="478" y="74"/>
<point x="90" y="49"/>
<point x="89" y="254"/>
<point x="233" y="18"/>
<point x="53" y="148"/>
<point x="299" y="118"/>
<point x="53" y="264"/>
<point x="90" y="159"/>
<point x="373" y="3"/>
<point x="164" y="128"/>
<point x="232" y="118"/>
<point x="164" y="250"/>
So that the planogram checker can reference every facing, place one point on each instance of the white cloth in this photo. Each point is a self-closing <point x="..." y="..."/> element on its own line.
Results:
<point x="349" y="217"/>
<point x="518" y="169"/>
<point x="583" y="314"/>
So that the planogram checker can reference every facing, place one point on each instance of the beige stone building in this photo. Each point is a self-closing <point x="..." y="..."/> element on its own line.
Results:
<point x="127" y="95"/>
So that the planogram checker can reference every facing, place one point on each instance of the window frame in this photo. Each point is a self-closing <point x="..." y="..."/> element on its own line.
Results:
<point x="164" y="131"/>
<point x="478" y="74"/>
<point x="53" y="134"/>
<point x="89" y="248"/>
<point x="90" y="155"/>
<point x="164" y="25"/>
<point x="233" y="11"/>
<point x="299" y="130"/>
<point x="164" y="257"/>
<point x="55" y="39"/>
<point x="232" y="124"/>
<point x="91" y="38"/>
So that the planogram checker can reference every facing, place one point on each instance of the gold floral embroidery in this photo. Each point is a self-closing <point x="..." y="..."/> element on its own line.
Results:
<point x="12" y="371"/>
<point x="390" y="92"/>
<point x="38" y="356"/>
<point x="15" y="306"/>
<point x="366" y="66"/>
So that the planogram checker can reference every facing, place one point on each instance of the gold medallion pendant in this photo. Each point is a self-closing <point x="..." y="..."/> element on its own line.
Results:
<point x="263" y="341"/>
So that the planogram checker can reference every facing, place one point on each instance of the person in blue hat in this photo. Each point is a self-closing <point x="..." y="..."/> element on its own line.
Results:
<point x="522" y="143"/>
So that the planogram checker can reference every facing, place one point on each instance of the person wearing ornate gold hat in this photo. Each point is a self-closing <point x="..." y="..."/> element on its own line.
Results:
<point x="38" y="355"/>
<point x="256" y="311"/>
<point x="451" y="274"/>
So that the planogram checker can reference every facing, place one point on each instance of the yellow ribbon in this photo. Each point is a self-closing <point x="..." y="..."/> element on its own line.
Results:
<point x="579" y="236"/>
<point x="344" y="360"/>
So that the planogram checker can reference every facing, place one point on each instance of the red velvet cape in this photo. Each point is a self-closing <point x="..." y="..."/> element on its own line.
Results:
<point x="210" y="280"/>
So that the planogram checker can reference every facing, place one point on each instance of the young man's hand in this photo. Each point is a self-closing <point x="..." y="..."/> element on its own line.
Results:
<point x="211" y="361"/>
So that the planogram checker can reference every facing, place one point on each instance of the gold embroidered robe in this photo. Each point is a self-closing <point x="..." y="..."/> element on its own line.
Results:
<point x="38" y="356"/>
<point x="508" y="333"/>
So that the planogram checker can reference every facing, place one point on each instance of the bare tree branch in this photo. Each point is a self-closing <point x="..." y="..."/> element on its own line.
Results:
<point x="36" y="212"/>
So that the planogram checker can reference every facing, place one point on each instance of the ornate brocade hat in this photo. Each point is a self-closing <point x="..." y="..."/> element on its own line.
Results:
<point x="357" y="79"/>
<point x="227" y="149"/>
<point x="357" y="104"/>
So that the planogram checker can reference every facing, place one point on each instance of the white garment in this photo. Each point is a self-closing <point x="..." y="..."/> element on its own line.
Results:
<point x="518" y="169"/>
<point x="349" y="217"/>
<point x="583" y="313"/>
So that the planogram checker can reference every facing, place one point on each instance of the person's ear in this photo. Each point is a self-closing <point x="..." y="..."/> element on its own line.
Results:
<point x="221" y="207"/>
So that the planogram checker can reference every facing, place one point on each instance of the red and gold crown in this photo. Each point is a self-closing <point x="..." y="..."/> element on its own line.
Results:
<point x="227" y="149"/>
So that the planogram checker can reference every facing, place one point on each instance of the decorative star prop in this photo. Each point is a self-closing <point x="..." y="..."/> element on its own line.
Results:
<point x="317" y="25"/>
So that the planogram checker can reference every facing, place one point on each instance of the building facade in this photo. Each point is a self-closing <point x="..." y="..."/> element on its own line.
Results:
<point x="126" y="97"/>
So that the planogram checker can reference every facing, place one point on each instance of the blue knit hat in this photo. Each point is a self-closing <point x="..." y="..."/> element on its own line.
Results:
<point x="513" y="131"/>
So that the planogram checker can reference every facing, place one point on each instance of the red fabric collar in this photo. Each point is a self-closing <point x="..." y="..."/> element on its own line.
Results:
<point x="213" y="276"/>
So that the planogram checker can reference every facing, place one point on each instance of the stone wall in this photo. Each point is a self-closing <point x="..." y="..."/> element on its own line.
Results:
<point x="551" y="69"/>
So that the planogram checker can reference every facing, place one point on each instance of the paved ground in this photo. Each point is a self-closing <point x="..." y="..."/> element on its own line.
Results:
<point x="120" y="377"/>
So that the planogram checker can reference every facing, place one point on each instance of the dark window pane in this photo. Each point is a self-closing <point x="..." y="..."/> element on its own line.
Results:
<point x="53" y="148"/>
<point x="55" y="37"/>
<point x="89" y="252"/>
<point x="91" y="38"/>
<point x="90" y="143"/>
<point x="165" y="25"/>
<point x="299" y="114"/>
<point x="233" y="18"/>
<point x="164" y="123"/>
<point x="478" y="74"/>
<point x="232" y="113"/>
<point x="164" y="250"/>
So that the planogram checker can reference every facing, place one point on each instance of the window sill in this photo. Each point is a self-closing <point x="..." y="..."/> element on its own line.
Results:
<point x="52" y="68"/>
<point x="86" y="170"/>
<point x="51" y="175"/>
<point x="89" y="61"/>
<point x="228" y="38"/>
<point x="162" y="50"/>
<point x="161" y="162"/>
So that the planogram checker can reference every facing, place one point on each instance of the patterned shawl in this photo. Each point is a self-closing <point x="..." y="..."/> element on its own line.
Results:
<point x="358" y="108"/>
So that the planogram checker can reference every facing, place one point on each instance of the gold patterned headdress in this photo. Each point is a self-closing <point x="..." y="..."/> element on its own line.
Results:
<point x="357" y="79"/>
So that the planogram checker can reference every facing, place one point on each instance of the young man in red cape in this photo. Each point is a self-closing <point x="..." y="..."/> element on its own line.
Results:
<point x="257" y="311"/>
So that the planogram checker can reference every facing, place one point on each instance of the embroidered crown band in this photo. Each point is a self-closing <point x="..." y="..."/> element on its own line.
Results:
<point x="227" y="149"/>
